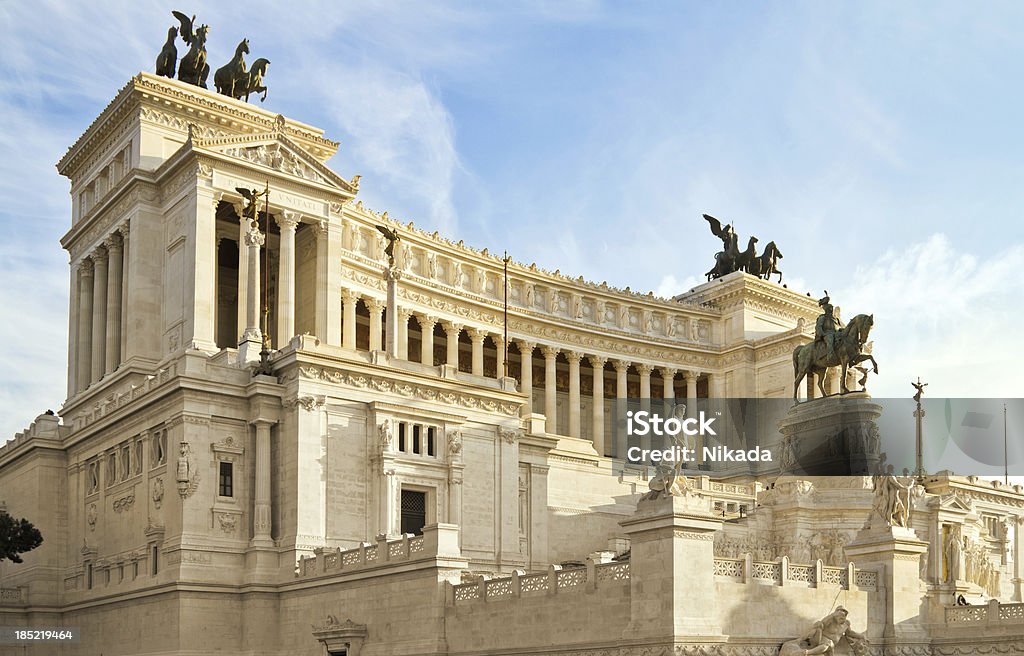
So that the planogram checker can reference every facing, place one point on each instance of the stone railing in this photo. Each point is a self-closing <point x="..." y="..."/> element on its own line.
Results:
<point x="783" y="572"/>
<point x="438" y="540"/>
<point x="991" y="614"/>
<point x="13" y="596"/>
<point x="131" y="391"/>
<point x="556" y="580"/>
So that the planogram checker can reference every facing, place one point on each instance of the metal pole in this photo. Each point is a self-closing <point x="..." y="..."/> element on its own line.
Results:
<point x="1006" y="459"/>
<point x="505" y="338"/>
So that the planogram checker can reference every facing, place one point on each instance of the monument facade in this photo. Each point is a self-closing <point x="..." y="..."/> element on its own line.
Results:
<point x="295" y="426"/>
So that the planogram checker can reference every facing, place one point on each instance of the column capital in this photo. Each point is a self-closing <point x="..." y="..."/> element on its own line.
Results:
<point x="375" y="304"/>
<point x="99" y="256"/>
<point x="550" y="352"/>
<point x="239" y="207"/>
<point x="404" y="313"/>
<point x="85" y="267"/>
<point x="621" y="365"/>
<point x="525" y="346"/>
<point x="644" y="369"/>
<point x="112" y="242"/>
<point x="287" y="220"/>
<point x="218" y="196"/>
<point x="321" y="228"/>
<point x="668" y="372"/>
<point x="573" y="356"/>
<point x="426" y="321"/>
<point x="254" y="238"/>
<point x="476" y="334"/>
<point x="597" y="361"/>
<point x="451" y="327"/>
<point x="349" y="295"/>
<point x="691" y="375"/>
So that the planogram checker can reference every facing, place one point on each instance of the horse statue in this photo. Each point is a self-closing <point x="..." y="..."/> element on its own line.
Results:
<point x="168" y="57"/>
<point x="743" y="260"/>
<point x="814" y="360"/>
<point x="252" y="82"/>
<point x="227" y="77"/>
<point x="764" y="265"/>
<point x="193" y="68"/>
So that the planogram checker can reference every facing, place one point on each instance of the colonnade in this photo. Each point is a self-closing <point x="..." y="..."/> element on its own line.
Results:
<point x="97" y="297"/>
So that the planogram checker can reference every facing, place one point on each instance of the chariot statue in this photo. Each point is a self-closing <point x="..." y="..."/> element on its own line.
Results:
<point x="731" y="258"/>
<point x="833" y="346"/>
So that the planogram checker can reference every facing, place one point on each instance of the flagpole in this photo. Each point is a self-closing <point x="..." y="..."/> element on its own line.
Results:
<point x="505" y="340"/>
<point x="1006" y="459"/>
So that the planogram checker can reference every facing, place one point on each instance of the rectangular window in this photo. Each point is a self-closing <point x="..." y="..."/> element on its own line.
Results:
<point x="154" y="560"/>
<point x="120" y="573"/>
<point x="135" y="570"/>
<point x="88" y="576"/>
<point x="106" y="575"/>
<point x="139" y="449"/>
<point x="416" y="439"/>
<point x="414" y="511"/>
<point x="111" y="469"/>
<point x="226" y="486"/>
<point x="431" y="432"/>
<point x="401" y="436"/>
<point x="126" y="462"/>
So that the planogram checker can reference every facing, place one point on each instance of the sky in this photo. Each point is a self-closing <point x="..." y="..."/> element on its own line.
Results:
<point x="878" y="144"/>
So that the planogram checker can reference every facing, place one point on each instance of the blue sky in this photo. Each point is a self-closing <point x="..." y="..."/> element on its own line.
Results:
<point x="878" y="145"/>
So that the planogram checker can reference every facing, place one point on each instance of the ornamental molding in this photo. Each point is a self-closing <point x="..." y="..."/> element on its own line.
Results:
<point x="694" y="535"/>
<point x="125" y="502"/>
<point x="307" y="403"/>
<point x="383" y="385"/>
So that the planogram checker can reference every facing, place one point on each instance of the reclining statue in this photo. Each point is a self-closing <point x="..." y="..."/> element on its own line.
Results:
<point x="826" y="636"/>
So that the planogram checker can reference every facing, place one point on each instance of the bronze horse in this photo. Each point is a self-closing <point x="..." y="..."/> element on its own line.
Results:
<point x="811" y="360"/>
<point x="168" y="57"/>
<point x="763" y="266"/>
<point x="193" y="68"/>
<point x="252" y="82"/>
<point x="228" y="76"/>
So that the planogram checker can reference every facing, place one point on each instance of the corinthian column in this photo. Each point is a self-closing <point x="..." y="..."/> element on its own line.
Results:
<point x="598" y="362"/>
<point x="691" y="385"/>
<point x="621" y="394"/>
<point x="452" y="331"/>
<point x="375" y="306"/>
<point x="287" y="222"/>
<point x="84" y="350"/>
<point x="348" y="325"/>
<point x="113" y="345"/>
<point x="550" y="388"/>
<point x="477" y="337"/>
<point x="252" y="338"/>
<point x="99" y="315"/>
<point x="403" y="333"/>
<point x="526" y="374"/>
<point x="427" y="324"/>
<point x="574" y="392"/>
<point x="645" y="381"/>
<point x="243" y="269"/>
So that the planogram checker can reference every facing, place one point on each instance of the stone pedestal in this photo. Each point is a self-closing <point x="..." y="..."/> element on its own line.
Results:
<point x="672" y="583"/>
<point x="896" y="554"/>
<point x="832" y="436"/>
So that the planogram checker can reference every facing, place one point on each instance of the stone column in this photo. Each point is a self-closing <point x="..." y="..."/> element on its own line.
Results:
<point x="574" y="392"/>
<point x="403" y="333"/>
<point x="597" y="362"/>
<point x="72" y="371"/>
<point x="477" y="336"/>
<point x="668" y="375"/>
<point x="243" y="268"/>
<point x="1018" y="557"/>
<point x="99" y="315"/>
<point x="84" y="349"/>
<point x="499" y="358"/>
<point x="375" y="306"/>
<point x="393" y="318"/>
<point x="621" y="394"/>
<point x="452" y="331"/>
<point x="252" y="339"/>
<point x="550" y="388"/>
<point x="691" y="385"/>
<point x="287" y="222"/>
<point x="645" y="383"/>
<point x="125" y="281"/>
<point x="427" y="324"/>
<point x="526" y="374"/>
<point x="348" y="334"/>
<point x="328" y="283"/>
<point x="113" y="244"/>
<point x="261" y="524"/>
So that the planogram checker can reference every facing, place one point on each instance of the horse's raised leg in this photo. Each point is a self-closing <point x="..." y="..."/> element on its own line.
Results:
<point x="821" y="383"/>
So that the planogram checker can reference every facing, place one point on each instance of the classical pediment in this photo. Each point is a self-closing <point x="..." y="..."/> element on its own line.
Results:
<point x="954" y="502"/>
<point x="277" y="152"/>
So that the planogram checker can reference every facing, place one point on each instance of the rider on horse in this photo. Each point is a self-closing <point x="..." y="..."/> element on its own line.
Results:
<point x="826" y="325"/>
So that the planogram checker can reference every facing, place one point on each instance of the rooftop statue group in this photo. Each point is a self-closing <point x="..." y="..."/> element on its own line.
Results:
<point x="233" y="79"/>
<point x="731" y="259"/>
<point x="833" y="346"/>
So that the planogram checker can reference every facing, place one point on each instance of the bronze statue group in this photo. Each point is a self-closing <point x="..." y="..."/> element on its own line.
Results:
<point x="234" y="79"/>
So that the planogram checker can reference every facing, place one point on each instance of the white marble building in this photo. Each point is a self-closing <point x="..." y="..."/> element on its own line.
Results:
<point x="403" y="482"/>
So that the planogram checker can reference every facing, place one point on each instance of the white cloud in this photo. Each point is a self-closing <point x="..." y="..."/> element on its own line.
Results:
<point x="950" y="317"/>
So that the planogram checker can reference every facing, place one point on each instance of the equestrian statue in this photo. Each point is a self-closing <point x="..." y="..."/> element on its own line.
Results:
<point x="235" y="80"/>
<point x="731" y="259"/>
<point x="833" y="346"/>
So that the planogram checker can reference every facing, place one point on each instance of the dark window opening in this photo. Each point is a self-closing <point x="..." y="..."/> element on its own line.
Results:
<point x="414" y="511"/>
<point x="401" y="437"/>
<point x="430" y="440"/>
<point x="155" y="567"/>
<point x="88" y="576"/>
<point x="416" y="439"/>
<point x="226" y="487"/>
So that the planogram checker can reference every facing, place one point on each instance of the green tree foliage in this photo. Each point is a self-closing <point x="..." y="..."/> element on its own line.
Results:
<point x="17" y="537"/>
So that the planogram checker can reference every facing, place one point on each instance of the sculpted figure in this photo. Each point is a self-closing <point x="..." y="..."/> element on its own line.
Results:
<point x="893" y="500"/>
<point x="167" y="60"/>
<point x="833" y="347"/>
<point x="193" y="68"/>
<point x="826" y="325"/>
<point x="392" y="238"/>
<point x="823" y="637"/>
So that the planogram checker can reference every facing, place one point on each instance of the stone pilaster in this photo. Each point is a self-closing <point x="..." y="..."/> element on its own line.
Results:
<point x="261" y="523"/>
<point x="287" y="222"/>
<point x="99" y="315"/>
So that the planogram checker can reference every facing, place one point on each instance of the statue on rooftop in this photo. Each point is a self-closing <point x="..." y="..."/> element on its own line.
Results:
<point x="193" y="68"/>
<point x="731" y="259"/>
<point x="833" y="346"/>
<point x="167" y="60"/>
<point x="392" y="238"/>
